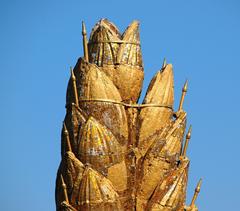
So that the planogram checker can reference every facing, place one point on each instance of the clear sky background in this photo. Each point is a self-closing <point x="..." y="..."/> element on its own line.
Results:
<point x="39" y="40"/>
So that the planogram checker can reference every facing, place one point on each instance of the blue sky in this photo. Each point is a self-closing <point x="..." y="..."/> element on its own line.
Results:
<point x="39" y="40"/>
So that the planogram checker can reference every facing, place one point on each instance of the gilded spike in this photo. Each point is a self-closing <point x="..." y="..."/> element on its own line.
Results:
<point x="197" y="190"/>
<point x="67" y="137"/>
<point x="164" y="63"/>
<point x="188" y="136"/>
<point x="85" y="42"/>
<point x="74" y="87"/>
<point x="64" y="189"/>
<point x="184" y="91"/>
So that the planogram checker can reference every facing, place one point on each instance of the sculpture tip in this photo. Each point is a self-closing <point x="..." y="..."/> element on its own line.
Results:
<point x="67" y="137"/>
<point x="198" y="186"/>
<point x="189" y="133"/>
<point x="164" y="63"/>
<point x="83" y="28"/>
<point x="64" y="189"/>
<point x="85" y="42"/>
<point x="197" y="190"/>
<point x="65" y="128"/>
<point x="72" y="74"/>
<point x="184" y="90"/>
<point x="185" y="87"/>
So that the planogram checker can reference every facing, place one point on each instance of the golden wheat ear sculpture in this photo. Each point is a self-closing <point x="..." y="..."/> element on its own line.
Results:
<point x="118" y="155"/>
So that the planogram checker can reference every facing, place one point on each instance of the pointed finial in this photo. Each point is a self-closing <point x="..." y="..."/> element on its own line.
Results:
<point x="197" y="190"/>
<point x="64" y="186"/>
<point x="164" y="63"/>
<point x="188" y="136"/>
<point x="74" y="87"/>
<point x="67" y="137"/>
<point x="85" y="42"/>
<point x="185" y="86"/>
<point x="184" y="90"/>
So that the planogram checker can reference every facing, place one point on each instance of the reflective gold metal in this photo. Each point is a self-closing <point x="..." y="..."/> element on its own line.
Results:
<point x="85" y="42"/>
<point x="74" y="87"/>
<point x="188" y="136"/>
<point x="197" y="190"/>
<point x="67" y="138"/>
<point x="118" y="154"/>
<point x="184" y="91"/>
<point x="64" y="189"/>
<point x="164" y="63"/>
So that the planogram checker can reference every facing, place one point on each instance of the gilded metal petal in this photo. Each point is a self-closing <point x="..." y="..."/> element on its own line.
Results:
<point x="98" y="146"/>
<point x="153" y="119"/>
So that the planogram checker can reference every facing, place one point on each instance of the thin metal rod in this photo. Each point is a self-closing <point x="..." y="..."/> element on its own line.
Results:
<point x="184" y="91"/>
<point x="188" y="136"/>
<point x="64" y="189"/>
<point x="67" y="138"/>
<point x="197" y="190"/>
<point x="85" y="42"/>
<point x="164" y="63"/>
<point x="126" y="104"/>
<point x="74" y="87"/>
<point x="115" y="41"/>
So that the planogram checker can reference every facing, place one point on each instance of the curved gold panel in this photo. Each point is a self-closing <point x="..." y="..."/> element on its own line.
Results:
<point x="97" y="193"/>
<point x="98" y="146"/>
<point x="153" y="119"/>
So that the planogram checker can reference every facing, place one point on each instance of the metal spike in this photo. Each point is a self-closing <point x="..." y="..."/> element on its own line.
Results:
<point x="184" y="91"/>
<point x="164" y="63"/>
<point x="197" y="190"/>
<point x="67" y="137"/>
<point x="74" y="87"/>
<point x="188" y="136"/>
<point x="85" y="42"/>
<point x="64" y="186"/>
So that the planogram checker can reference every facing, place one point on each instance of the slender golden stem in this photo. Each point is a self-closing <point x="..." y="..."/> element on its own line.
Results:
<point x="67" y="138"/>
<point x="74" y="87"/>
<point x="64" y="189"/>
<point x="184" y="91"/>
<point x="197" y="190"/>
<point x="188" y="136"/>
<point x="85" y="42"/>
